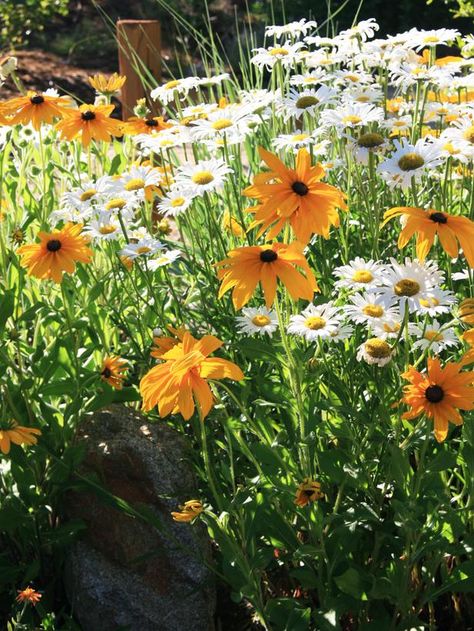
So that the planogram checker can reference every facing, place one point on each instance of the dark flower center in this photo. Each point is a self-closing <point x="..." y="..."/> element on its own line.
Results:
<point x="369" y="141"/>
<point x="434" y="394"/>
<point x="268" y="256"/>
<point x="151" y="122"/>
<point x="53" y="245"/>
<point x="308" y="492"/>
<point x="37" y="99"/>
<point x="439" y="218"/>
<point x="87" y="115"/>
<point x="300" y="188"/>
<point x="106" y="373"/>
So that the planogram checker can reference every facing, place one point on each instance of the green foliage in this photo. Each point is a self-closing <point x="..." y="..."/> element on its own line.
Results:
<point x="20" y="20"/>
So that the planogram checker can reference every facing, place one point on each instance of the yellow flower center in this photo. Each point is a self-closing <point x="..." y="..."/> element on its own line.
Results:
<point x="315" y="323"/>
<point x="135" y="184"/>
<point x="143" y="249"/>
<point x="369" y="141"/>
<point x="107" y="229"/>
<point x="352" y="119"/>
<point x="162" y="259"/>
<point x="166" y="142"/>
<point x="433" y="336"/>
<point x="352" y="77"/>
<point x="391" y="328"/>
<point x="363" y="98"/>
<point x="306" y="101"/>
<point x="469" y="134"/>
<point x="429" y="302"/>
<point x="278" y="51"/>
<point x="299" y="137"/>
<point x="310" y="80"/>
<point x="451" y="149"/>
<point x="406" y="287"/>
<point x="374" y="311"/>
<point x="171" y="84"/>
<point x="86" y="195"/>
<point x="115" y="204"/>
<point x="411" y="161"/>
<point x="362" y="276"/>
<point x="430" y="39"/>
<point x="179" y="201"/>
<point x="377" y="348"/>
<point x="222" y="123"/>
<point x="399" y="124"/>
<point x="261" y="320"/>
<point x="202" y="178"/>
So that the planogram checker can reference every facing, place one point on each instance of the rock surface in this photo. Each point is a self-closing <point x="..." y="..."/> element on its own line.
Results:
<point x="124" y="573"/>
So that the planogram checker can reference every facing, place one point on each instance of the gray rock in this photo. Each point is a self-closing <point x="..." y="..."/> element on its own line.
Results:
<point x="124" y="573"/>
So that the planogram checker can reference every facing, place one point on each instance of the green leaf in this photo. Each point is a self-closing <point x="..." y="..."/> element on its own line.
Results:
<point x="7" y="305"/>
<point x="352" y="583"/>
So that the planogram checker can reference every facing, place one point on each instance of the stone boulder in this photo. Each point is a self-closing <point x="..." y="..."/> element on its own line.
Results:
<point x="124" y="573"/>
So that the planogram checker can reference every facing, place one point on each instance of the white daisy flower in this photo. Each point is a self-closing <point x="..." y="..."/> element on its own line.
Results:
<point x="308" y="101"/>
<point x="137" y="179"/>
<point x="313" y="78"/>
<point x="349" y="115"/>
<point x="176" y="88"/>
<point x="343" y="332"/>
<point x="292" y="29"/>
<point x="204" y="177"/>
<point x="422" y="39"/>
<point x="375" y="351"/>
<point x="257" y="321"/>
<point x="362" y="94"/>
<point x="165" y="258"/>
<point x="85" y="196"/>
<point x="437" y="302"/>
<point x="398" y="126"/>
<point x="286" y="54"/>
<point x="370" y="309"/>
<point x="353" y="77"/>
<point x="144" y="247"/>
<point x="433" y="336"/>
<point x="410" y="161"/>
<point x="316" y="321"/>
<point x="175" y="202"/>
<point x="461" y="136"/>
<point x="105" y="227"/>
<point x="225" y="122"/>
<point x="388" y="328"/>
<point x="405" y="75"/>
<point x="359" y="274"/>
<point x="410" y="282"/>
<point x="298" y="140"/>
<point x="366" y="144"/>
<point x="363" y="30"/>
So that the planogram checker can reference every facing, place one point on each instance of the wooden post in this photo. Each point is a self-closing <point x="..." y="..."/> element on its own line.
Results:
<point x="139" y="49"/>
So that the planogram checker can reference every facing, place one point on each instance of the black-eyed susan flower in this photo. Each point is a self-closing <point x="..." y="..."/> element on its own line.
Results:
<point x="181" y="379"/>
<point x="113" y="371"/>
<point x="35" y="108"/>
<point x="296" y="197"/>
<point x="137" y="125"/>
<point x="451" y="230"/>
<point x="57" y="252"/>
<point x="247" y="266"/>
<point x="439" y="394"/>
<point x="107" y="85"/>
<point x="28" y="595"/>
<point x="308" y="491"/>
<point x="188" y="511"/>
<point x="11" y="432"/>
<point x="90" y="122"/>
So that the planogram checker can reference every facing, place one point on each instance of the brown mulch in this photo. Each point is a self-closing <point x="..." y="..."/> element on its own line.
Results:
<point x="39" y="70"/>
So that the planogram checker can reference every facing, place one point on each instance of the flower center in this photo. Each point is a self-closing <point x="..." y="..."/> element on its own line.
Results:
<point x="300" y="188"/>
<point x="352" y="77"/>
<point x="433" y="336"/>
<point x="315" y="323"/>
<point x="53" y="245"/>
<point x="171" y="84"/>
<point x="179" y="201"/>
<point x="143" y="249"/>
<point x="306" y="101"/>
<point x="406" y="287"/>
<point x="429" y="302"/>
<point x="451" y="149"/>
<point x="106" y="373"/>
<point x="115" y="204"/>
<point x="377" y="348"/>
<point x="362" y="99"/>
<point x="431" y="39"/>
<point x="202" y="178"/>
<point x="278" y="51"/>
<point x="37" y="99"/>
<point x="391" y="329"/>
<point x="268" y="256"/>
<point x="299" y="137"/>
<point x="261" y="320"/>
<point x="411" y="161"/>
<point x="370" y="140"/>
<point x="434" y="394"/>
<point x="87" y="115"/>
<point x="469" y="134"/>
<point x="135" y="184"/>
<point x="374" y="311"/>
<point x="362" y="276"/>
<point x="107" y="229"/>
<point x="223" y="123"/>
<point x="352" y="119"/>
<point x="438" y="218"/>
<point x="151" y="122"/>
<point x="86" y="195"/>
